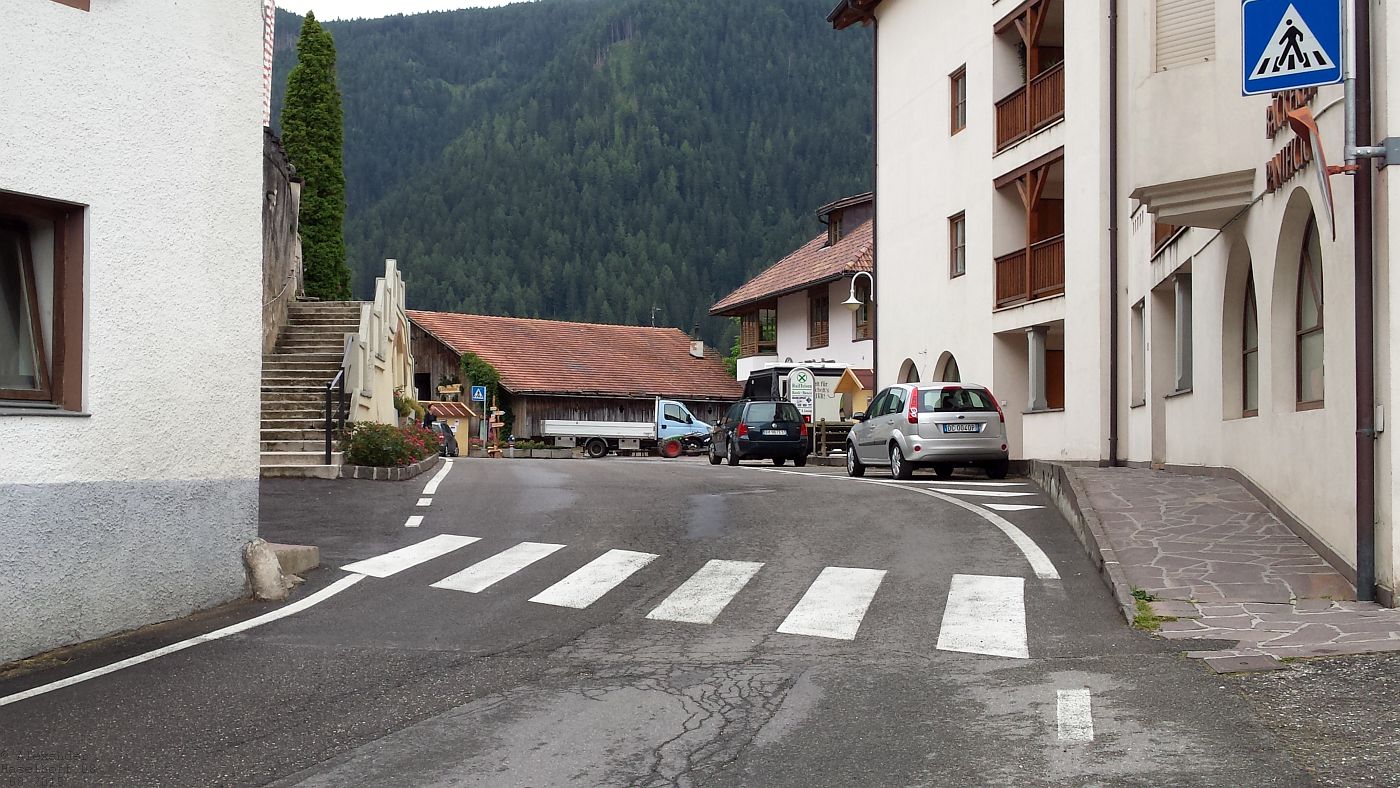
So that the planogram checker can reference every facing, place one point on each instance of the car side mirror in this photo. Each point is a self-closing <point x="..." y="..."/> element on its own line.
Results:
<point x="689" y="420"/>
<point x="859" y="417"/>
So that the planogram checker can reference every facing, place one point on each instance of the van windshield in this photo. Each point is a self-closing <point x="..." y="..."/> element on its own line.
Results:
<point x="955" y="400"/>
<point x="773" y="411"/>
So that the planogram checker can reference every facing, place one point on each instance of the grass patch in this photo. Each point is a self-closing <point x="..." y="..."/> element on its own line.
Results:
<point x="1146" y="618"/>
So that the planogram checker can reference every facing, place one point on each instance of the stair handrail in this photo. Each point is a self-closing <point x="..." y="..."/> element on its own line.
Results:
<point x="337" y="382"/>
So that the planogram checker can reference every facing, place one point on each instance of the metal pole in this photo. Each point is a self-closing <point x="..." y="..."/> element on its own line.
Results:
<point x="328" y="424"/>
<point x="1359" y="133"/>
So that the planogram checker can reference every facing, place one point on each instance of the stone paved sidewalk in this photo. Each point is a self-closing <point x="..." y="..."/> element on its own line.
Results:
<point x="1215" y="558"/>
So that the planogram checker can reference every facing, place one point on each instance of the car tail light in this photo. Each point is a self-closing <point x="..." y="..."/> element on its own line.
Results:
<point x="913" y="406"/>
<point x="806" y="419"/>
<point x="802" y="430"/>
<point x="742" y="430"/>
<point x="997" y="402"/>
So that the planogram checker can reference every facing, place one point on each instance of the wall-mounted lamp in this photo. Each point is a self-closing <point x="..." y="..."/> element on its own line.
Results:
<point x="853" y="303"/>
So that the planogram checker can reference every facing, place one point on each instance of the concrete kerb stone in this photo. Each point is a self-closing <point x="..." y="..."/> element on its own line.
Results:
<point x="296" y="559"/>
<point x="1065" y="489"/>
<point x="389" y="474"/>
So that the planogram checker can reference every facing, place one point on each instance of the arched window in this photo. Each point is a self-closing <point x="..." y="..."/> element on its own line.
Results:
<point x="951" y="373"/>
<point x="1310" y="320"/>
<point x="909" y="372"/>
<point x="1250" y="350"/>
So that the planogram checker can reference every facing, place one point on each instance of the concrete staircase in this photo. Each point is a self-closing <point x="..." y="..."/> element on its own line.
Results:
<point x="307" y="356"/>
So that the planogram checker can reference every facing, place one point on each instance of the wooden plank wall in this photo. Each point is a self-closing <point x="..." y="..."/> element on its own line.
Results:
<point x="530" y="410"/>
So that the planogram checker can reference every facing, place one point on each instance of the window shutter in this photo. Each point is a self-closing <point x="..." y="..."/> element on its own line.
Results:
<point x="1185" y="32"/>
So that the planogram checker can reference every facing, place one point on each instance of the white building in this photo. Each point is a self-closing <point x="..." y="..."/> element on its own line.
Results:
<point x="1219" y="242"/>
<point x="130" y="282"/>
<point x="792" y="312"/>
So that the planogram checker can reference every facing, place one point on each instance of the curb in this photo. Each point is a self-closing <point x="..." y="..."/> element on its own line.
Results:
<point x="1066" y="490"/>
<point x="389" y="474"/>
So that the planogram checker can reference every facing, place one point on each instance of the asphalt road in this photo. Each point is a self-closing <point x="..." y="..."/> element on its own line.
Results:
<point x="906" y="672"/>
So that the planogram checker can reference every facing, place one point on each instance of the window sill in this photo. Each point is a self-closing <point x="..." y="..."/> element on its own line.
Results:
<point x="819" y="347"/>
<point x="10" y="410"/>
<point x="1042" y="410"/>
<point x="1137" y="403"/>
<point x="1177" y="393"/>
<point x="956" y="274"/>
<point x="863" y="339"/>
<point x="1314" y="405"/>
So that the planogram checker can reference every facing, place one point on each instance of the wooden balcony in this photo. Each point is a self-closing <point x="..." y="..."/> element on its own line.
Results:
<point x="1031" y="107"/>
<point x="1031" y="274"/>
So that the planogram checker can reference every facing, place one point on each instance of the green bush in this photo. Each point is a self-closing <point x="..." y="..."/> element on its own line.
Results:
<point x="388" y="446"/>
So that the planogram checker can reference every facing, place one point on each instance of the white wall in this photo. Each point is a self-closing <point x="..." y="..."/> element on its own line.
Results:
<point x="149" y="113"/>
<point x="842" y="346"/>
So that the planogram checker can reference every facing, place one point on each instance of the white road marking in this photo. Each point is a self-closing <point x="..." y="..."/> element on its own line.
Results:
<point x="985" y="615"/>
<point x="431" y="488"/>
<point x="1075" y="717"/>
<point x="982" y="493"/>
<point x="967" y="483"/>
<point x="1010" y="507"/>
<point x="834" y="604"/>
<point x="591" y="581"/>
<point x="700" y="599"/>
<point x="398" y="560"/>
<point x="414" y="521"/>
<point x="483" y="574"/>
<point x="282" y="612"/>
<point x="425" y="501"/>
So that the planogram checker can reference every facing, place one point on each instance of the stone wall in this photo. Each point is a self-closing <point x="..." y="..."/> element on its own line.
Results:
<point x="281" y="242"/>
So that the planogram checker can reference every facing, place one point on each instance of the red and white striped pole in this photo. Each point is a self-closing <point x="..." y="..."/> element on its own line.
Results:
<point x="269" y="24"/>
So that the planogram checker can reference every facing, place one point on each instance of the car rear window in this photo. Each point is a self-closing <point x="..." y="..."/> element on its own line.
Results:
<point x="956" y="400"/>
<point x="773" y="411"/>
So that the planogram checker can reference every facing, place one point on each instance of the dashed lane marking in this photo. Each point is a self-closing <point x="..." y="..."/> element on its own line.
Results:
<point x="985" y="614"/>
<point x="594" y="579"/>
<point x="425" y="501"/>
<point x="1011" y="507"/>
<point x="981" y="493"/>
<point x="834" y="604"/>
<point x="405" y="557"/>
<point x="414" y="521"/>
<point x="704" y="596"/>
<point x="1074" y="715"/>
<point x="484" y="574"/>
<point x="282" y="612"/>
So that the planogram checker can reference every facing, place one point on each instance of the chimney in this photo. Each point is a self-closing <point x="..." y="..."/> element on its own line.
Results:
<point x="697" y="348"/>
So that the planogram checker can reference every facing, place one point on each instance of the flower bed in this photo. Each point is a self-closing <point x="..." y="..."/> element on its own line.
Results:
<point x="387" y="446"/>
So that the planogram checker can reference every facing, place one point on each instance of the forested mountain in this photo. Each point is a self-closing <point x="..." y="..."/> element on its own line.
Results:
<point x="593" y="159"/>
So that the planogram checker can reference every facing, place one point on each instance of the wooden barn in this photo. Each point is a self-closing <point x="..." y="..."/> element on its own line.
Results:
<point x="552" y="369"/>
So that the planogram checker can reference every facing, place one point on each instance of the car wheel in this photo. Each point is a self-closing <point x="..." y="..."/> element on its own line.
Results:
<point x="779" y="461"/>
<point x="671" y="449"/>
<point x="943" y="470"/>
<point x="854" y="467"/>
<point x="800" y="462"/>
<point x="998" y="469"/>
<point x="733" y="455"/>
<point x="596" y="448"/>
<point x="715" y="459"/>
<point x="899" y="467"/>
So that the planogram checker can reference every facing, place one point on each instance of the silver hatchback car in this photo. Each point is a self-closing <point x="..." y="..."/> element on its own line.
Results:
<point x="942" y="425"/>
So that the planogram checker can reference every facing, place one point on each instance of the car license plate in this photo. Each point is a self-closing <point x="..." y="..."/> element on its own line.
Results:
<point x="775" y="432"/>
<point x="962" y="427"/>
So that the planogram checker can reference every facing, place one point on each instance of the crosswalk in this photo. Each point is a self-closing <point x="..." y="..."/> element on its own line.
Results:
<point x="983" y="615"/>
<point x="997" y="496"/>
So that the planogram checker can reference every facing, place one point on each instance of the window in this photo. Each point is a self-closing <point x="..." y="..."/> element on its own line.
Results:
<point x="895" y="402"/>
<point x="956" y="400"/>
<point x="1162" y="234"/>
<point x="1185" y="32"/>
<point x="1310" y="323"/>
<point x="24" y="370"/>
<point x="833" y="229"/>
<point x="1137" y="328"/>
<point x="1250" y="350"/>
<point x="818" y="318"/>
<point x="758" y="332"/>
<point x="865" y="326"/>
<point x="673" y="413"/>
<point x="958" y="95"/>
<point x="1183" y="332"/>
<point x="957" y="245"/>
<point x="41" y="302"/>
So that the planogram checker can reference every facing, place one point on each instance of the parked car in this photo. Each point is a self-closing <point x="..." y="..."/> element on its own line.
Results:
<point x="940" y="425"/>
<point x="449" y="441"/>
<point x="761" y="430"/>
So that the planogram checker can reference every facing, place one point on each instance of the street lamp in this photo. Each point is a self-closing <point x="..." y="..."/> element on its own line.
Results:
<point x="853" y="303"/>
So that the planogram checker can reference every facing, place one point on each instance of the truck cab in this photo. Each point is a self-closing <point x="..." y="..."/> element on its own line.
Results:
<point x="674" y="420"/>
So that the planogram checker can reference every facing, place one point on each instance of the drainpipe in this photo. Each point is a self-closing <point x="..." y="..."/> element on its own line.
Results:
<point x="875" y="198"/>
<point x="1113" y="233"/>
<point x="1359" y="125"/>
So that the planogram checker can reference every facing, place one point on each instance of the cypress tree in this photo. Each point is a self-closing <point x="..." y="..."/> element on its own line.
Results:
<point x="313" y="134"/>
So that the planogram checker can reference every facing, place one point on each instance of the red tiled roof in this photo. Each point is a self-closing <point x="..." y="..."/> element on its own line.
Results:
<point x="814" y="262"/>
<point x="554" y="357"/>
<point x="866" y="378"/>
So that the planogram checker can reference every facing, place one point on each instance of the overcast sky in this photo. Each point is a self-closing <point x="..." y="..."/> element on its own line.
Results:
<point x="368" y="9"/>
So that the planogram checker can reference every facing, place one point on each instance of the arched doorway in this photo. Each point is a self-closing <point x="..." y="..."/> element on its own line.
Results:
<point x="948" y="371"/>
<point x="908" y="372"/>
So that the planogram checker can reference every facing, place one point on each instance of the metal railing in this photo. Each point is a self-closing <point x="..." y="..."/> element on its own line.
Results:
<point x="335" y="418"/>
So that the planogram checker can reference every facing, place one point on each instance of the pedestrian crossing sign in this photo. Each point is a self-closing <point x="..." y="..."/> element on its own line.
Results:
<point x="1291" y="44"/>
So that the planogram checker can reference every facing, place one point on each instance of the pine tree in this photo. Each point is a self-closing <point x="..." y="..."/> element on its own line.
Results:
<point x="313" y="135"/>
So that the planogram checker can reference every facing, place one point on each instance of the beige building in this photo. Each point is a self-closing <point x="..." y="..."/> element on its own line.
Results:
<point x="1015" y="219"/>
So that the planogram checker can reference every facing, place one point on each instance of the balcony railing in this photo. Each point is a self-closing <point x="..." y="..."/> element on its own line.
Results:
<point x="1031" y="107"/>
<point x="1030" y="274"/>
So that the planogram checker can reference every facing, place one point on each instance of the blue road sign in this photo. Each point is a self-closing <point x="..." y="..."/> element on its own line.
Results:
<point x="1291" y="44"/>
<point x="478" y="393"/>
